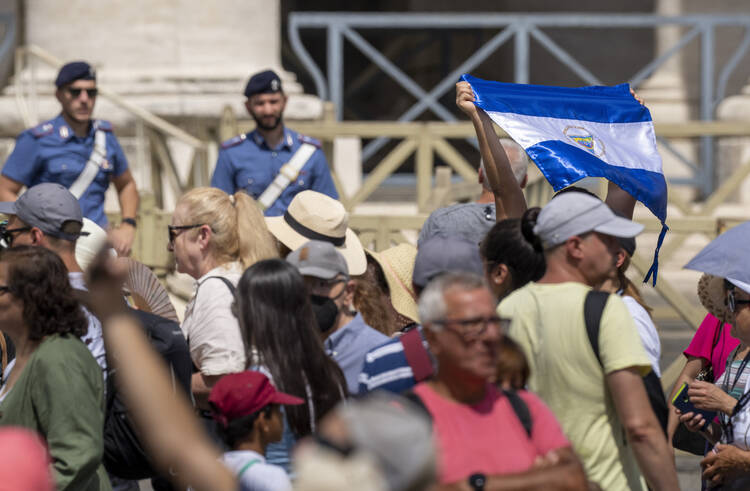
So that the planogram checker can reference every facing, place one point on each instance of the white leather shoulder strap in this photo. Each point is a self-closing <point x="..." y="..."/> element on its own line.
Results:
<point x="89" y="172"/>
<point x="286" y="175"/>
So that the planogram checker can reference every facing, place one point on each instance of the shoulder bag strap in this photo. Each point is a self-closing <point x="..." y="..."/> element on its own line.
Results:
<point x="521" y="410"/>
<point x="593" y="308"/>
<point x="246" y="467"/>
<point x="416" y="355"/>
<point x="4" y="361"/>
<point x="286" y="175"/>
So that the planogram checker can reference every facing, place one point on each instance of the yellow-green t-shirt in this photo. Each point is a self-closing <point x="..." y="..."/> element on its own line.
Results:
<point x="548" y="323"/>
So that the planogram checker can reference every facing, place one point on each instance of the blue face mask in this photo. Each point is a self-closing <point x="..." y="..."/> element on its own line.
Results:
<point x="326" y="312"/>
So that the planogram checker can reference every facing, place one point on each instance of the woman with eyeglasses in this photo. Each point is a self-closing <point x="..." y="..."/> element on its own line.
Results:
<point x="214" y="238"/>
<point x="55" y="387"/>
<point x="728" y="464"/>
<point x="274" y="310"/>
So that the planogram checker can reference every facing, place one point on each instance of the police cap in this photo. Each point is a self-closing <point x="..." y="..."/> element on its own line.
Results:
<point x="263" y="83"/>
<point x="75" y="70"/>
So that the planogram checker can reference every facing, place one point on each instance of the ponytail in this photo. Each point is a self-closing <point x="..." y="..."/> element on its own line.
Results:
<point x="528" y="222"/>
<point x="255" y="241"/>
<point x="239" y="230"/>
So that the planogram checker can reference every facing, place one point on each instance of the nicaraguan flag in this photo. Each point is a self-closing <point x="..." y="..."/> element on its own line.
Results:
<point x="572" y="133"/>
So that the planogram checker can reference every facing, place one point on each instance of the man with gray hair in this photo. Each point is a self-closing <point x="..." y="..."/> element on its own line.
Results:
<point x="472" y="221"/>
<point x="470" y="415"/>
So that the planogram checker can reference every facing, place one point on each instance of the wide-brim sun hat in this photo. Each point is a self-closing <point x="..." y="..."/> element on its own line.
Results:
<point x="397" y="264"/>
<point x="712" y="297"/>
<point x="315" y="216"/>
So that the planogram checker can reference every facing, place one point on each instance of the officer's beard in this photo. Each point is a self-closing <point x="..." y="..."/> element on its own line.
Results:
<point x="264" y="125"/>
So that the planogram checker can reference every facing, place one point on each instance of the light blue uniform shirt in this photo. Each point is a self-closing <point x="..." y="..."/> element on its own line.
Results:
<point x="51" y="152"/>
<point x="246" y="162"/>
<point x="349" y="345"/>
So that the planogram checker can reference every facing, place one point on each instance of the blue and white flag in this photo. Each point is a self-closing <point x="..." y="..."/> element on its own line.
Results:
<point x="572" y="133"/>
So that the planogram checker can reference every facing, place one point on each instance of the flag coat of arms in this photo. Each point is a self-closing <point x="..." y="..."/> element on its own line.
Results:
<point x="572" y="133"/>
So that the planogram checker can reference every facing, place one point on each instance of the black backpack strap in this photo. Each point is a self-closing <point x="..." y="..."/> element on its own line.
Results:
<point x="593" y="308"/>
<point x="417" y="401"/>
<point x="521" y="409"/>
<point x="229" y="284"/>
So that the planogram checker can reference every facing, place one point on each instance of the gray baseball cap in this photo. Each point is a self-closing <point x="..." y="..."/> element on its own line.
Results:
<point x="47" y="206"/>
<point x="570" y="214"/>
<point x="319" y="259"/>
<point x="440" y="255"/>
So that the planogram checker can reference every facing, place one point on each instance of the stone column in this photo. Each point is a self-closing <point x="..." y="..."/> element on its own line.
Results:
<point x="666" y="96"/>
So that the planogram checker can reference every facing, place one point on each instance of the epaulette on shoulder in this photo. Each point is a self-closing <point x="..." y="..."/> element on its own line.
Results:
<point x="103" y="124"/>
<point x="42" y="129"/>
<point x="309" y="140"/>
<point x="234" y="141"/>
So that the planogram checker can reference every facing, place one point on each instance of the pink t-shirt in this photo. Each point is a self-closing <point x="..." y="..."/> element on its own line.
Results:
<point x="701" y="344"/>
<point x="488" y="437"/>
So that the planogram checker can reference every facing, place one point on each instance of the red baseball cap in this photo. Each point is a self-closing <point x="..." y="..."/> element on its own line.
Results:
<point x="242" y="394"/>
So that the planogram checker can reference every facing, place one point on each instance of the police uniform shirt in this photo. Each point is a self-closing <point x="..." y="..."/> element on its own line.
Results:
<point x="246" y="162"/>
<point x="51" y="152"/>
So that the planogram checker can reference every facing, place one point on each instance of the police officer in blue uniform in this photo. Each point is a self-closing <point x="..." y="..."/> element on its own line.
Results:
<point x="252" y="161"/>
<point x="78" y="152"/>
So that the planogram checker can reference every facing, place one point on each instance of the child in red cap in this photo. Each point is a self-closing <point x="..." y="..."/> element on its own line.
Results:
<point x="247" y="408"/>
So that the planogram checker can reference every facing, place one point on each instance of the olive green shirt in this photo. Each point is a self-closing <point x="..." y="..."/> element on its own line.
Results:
<point x="60" y="395"/>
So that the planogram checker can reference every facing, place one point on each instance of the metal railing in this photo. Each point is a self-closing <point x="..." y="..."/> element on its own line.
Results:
<point x="521" y="29"/>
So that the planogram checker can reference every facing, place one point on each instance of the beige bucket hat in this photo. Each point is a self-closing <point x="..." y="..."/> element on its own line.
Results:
<point x="713" y="296"/>
<point x="315" y="216"/>
<point x="397" y="264"/>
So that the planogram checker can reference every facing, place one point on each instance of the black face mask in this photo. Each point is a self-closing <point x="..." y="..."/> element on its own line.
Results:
<point x="326" y="312"/>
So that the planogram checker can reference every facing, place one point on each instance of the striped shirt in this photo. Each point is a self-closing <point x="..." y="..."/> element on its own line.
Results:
<point x="386" y="368"/>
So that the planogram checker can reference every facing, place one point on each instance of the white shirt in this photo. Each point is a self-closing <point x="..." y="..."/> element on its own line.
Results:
<point x="213" y="333"/>
<point x="256" y="474"/>
<point x="647" y="331"/>
<point x="93" y="339"/>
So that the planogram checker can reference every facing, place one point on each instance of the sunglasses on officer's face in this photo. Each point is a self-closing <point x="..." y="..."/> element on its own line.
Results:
<point x="76" y="93"/>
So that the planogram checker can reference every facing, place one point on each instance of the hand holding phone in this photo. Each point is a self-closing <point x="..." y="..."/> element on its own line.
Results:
<point x="682" y="402"/>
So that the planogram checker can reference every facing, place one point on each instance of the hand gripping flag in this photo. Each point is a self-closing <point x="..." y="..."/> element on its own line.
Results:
<point x="572" y="133"/>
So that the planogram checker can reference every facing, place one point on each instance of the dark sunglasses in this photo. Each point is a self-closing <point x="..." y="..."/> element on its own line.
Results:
<point x="733" y="303"/>
<point x="76" y="93"/>
<point x="175" y="230"/>
<point x="8" y="234"/>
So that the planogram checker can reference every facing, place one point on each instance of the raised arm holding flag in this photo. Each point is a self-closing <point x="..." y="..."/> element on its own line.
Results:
<point x="571" y="133"/>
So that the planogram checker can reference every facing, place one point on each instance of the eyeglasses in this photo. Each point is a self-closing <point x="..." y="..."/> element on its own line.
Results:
<point x="175" y="230"/>
<point x="76" y="93"/>
<point x="471" y="329"/>
<point x="733" y="303"/>
<point x="8" y="234"/>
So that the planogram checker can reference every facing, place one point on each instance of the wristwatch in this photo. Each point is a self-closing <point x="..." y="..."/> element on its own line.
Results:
<point x="477" y="481"/>
<point x="129" y="221"/>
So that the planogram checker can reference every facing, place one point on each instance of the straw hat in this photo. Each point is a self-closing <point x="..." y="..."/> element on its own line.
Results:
<point x="315" y="216"/>
<point x="712" y="296"/>
<point x="397" y="264"/>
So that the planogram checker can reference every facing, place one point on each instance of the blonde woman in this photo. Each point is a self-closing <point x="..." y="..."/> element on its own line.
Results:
<point x="215" y="237"/>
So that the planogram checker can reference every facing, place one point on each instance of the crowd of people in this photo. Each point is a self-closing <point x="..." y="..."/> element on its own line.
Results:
<point x="508" y="350"/>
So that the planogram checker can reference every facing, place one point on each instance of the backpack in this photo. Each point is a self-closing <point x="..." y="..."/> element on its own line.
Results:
<point x="124" y="455"/>
<point x="593" y="308"/>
